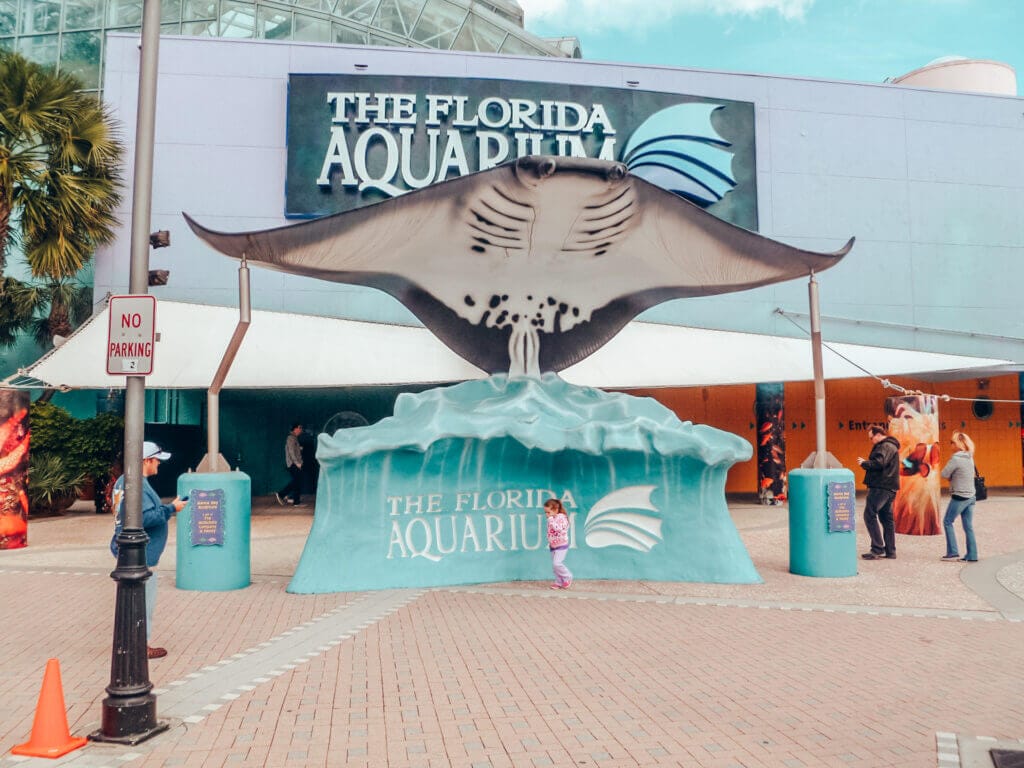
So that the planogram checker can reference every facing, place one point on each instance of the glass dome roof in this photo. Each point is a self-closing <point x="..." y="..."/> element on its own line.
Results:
<point x="69" y="34"/>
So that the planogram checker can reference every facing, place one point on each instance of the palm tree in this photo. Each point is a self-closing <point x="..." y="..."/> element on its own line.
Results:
<point x="15" y="314"/>
<point x="60" y="179"/>
<point x="47" y="309"/>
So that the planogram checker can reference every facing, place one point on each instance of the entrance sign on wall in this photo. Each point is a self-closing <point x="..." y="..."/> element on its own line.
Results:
<point x="131" y="335"/>
<point x="356" y="140"/>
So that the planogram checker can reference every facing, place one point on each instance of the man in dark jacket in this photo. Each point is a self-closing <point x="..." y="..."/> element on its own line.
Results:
<point x="882" y="477"/>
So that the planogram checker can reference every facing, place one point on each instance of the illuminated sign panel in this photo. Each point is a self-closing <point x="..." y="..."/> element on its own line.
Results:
<point x="356" y="140"/>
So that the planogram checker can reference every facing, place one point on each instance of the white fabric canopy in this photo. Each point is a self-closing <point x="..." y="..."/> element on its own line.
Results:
<point x="288" y="350"/>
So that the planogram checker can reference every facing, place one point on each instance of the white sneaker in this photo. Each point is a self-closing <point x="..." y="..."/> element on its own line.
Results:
<point x="279" y="499"/>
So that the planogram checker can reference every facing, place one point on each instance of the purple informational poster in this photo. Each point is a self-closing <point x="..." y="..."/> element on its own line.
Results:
<point x="841" y="504"/>
<point x="207" y="517"/>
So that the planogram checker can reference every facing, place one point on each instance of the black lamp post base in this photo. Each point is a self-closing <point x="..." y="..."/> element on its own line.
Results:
<point x="129" y="724"/>
<point x="129" y="710"/>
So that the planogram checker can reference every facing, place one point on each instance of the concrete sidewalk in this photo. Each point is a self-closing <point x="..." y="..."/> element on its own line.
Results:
<point x="914" y="662"/>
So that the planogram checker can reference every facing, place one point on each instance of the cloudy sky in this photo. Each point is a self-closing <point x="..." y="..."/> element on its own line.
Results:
<point x="866" y="40"/>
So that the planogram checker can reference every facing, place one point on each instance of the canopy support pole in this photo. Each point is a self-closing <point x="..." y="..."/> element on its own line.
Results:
<point x="213" y="461"/>
<point x="820" y="454"/>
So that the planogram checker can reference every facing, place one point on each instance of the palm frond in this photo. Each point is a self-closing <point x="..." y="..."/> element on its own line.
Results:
<point x="60" y="168"/>
<point x="20" y="305"/>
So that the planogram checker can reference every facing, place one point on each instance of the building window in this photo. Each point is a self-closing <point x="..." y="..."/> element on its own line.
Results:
<point x="480" y="35"/>
<point x="311" y="30"/>
<point x="439" y="24"/>
<point x="40" y="16"/>
<point x="80" y="56"/>
<point x="357" y="10"/>
<point x="982" y="408"/>
<point x="83" y="14"/>
<point x="397" y="16"/>
<point x="42" y="49"/>
<point x="348" y="35"/>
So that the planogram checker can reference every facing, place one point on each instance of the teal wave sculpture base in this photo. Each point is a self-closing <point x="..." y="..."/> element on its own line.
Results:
<point x="450" y="490"/>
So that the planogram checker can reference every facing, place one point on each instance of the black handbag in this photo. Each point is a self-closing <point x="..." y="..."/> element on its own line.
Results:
<point x="980" y="490"/>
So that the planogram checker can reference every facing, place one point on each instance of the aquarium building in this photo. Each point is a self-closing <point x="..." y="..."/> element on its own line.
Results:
<point x="253" y="134"/>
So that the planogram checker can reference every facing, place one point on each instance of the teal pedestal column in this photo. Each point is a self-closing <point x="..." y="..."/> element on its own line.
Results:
<point x="822" y="523"/>
<point x="214" y="531"/>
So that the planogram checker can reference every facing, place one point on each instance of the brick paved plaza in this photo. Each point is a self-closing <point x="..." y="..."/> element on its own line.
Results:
<point x="914" y="662"/>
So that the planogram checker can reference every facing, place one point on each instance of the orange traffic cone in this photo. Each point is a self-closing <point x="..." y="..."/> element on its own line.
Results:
<point x="50" y="734"/>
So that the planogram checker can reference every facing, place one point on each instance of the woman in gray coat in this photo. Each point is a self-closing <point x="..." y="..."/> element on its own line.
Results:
<point x="959" y="470"/>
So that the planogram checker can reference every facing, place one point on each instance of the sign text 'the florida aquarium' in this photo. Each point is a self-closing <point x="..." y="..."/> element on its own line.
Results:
<point x="354" y="140"/>
<point x="433" y="525"/>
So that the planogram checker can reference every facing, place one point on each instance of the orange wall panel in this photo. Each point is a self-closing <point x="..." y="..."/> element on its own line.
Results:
<point x="730" y="408"/>
<point x="851" y="405"/>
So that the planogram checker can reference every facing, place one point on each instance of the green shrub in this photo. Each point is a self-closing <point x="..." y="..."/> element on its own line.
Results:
<point x="67" y="452"/>
<point x="52" y="428"/>
<point x="95" y="444"/>
<point x="51" y="486"/>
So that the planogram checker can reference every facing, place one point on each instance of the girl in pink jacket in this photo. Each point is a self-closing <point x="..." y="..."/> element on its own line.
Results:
<point x="558" y="542"/>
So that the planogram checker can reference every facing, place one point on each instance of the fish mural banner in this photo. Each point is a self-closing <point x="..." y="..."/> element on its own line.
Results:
<point x="14" y="445"/>
<point x="914" y="421"/>
<point x="770" y="411"/>
<point x="450" y="490"/>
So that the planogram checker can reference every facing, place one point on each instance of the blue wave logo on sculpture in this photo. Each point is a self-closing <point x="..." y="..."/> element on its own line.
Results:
<point x="621" y="518"/>
<point x="678" y="149"/>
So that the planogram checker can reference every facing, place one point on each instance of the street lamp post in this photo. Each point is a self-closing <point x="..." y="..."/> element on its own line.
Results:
<point x="129" y="710"/>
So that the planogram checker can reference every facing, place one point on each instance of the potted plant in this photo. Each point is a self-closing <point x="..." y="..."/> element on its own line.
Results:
<point x="95" y="450"/>
<point x="67" y="453"/>
<point x="52" y="486"/>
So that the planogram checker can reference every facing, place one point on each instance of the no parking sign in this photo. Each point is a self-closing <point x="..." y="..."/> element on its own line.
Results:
<point x="131" y="335"/>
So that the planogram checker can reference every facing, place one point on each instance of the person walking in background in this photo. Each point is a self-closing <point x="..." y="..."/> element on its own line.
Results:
<point x="882" y="477"/>
<point x="558" y="542"/>
<point x="155" y="515"/>
<point x="307" y="443"/>
<point x="959" y="470"/>
<point x="292" y="460"/>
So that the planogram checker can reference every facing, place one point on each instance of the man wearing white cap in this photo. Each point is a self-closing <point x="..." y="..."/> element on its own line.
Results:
<point x="155" y="515"/>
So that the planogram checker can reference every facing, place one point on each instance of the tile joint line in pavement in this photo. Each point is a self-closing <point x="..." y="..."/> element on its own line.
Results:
<point x="720" y="602"/>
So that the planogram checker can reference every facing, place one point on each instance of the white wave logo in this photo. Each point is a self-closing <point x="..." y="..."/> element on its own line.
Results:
<point x="679" y="150"/>
<point x="617" y="519"/>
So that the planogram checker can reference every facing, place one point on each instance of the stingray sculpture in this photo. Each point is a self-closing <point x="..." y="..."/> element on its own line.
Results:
<point x="533" y="265"/>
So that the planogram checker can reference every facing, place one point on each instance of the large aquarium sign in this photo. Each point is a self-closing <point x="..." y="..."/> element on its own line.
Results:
<point x="356" y="140"/>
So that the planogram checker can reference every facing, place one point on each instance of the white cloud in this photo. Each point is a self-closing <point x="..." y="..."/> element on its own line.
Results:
<point x="638" y="14"/>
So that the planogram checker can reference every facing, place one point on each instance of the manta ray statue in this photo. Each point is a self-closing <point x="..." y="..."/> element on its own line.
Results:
<point x="530" y="266"/>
